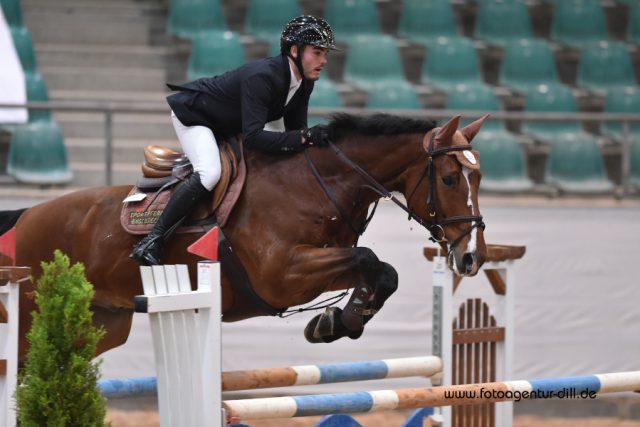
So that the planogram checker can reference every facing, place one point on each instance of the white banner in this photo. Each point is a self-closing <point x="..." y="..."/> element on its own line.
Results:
<point x="12" y="83"/>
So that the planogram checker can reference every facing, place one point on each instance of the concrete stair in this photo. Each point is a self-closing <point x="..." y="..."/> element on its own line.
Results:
<point x="116" y="51"/>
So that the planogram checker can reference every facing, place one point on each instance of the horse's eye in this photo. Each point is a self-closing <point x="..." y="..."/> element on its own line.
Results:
<point x="448" y="180"/>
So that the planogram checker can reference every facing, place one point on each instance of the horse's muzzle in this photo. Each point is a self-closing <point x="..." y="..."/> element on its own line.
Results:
<point x="466" y="264"/>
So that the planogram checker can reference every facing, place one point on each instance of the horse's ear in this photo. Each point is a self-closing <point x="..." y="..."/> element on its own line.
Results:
<point x="472" y="129"/>
<point x="445" y="134"/>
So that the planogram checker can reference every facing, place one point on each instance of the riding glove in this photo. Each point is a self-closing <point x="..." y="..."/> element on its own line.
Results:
<point x="317" y="135"/>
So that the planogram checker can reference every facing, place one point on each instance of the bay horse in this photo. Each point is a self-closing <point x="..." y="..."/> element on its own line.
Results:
<point x="294" y="227"/>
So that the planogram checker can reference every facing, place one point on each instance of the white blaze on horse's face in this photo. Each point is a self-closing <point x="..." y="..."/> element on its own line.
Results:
<point x="471" y="246"/>
<point x="466" y="252"/>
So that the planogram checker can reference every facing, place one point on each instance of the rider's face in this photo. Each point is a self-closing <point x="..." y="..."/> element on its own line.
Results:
<point x="313" y="61"/>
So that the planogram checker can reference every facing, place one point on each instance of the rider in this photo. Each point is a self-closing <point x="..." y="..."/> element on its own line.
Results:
<point x="243" y="101"/>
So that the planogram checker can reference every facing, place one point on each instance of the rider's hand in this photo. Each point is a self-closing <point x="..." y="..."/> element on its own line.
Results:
<point x="317" y="135"/>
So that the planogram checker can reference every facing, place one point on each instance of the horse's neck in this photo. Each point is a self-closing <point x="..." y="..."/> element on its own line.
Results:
<point x="386" y="158"/>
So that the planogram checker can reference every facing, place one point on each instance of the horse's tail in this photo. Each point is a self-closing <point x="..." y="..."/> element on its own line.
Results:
<point x="8" y="219"/>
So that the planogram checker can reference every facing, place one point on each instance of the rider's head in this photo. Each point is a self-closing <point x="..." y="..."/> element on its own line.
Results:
<point x="302" y="31"/>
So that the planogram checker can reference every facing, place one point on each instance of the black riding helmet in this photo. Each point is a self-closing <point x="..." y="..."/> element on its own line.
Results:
<point x="306" y="30"/>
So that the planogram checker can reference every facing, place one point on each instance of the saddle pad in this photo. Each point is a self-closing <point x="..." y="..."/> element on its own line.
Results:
<point x="231" y="195"/>
<point x="138" y="217"/>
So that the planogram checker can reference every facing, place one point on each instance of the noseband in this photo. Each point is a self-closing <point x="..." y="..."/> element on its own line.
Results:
<point x="432" y="199"/>
<point x="436" y="229"/>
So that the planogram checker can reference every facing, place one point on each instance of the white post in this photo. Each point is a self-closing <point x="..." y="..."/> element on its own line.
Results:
<point x="442" y="325"/>
<point x="443" y="314"/>
<point x="185" y="327"/>
<point x="504" y="314"/>
<point x="9" y="297"/>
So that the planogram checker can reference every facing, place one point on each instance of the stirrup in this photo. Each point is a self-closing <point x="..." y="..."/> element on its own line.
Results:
<point x="142" y="254"/>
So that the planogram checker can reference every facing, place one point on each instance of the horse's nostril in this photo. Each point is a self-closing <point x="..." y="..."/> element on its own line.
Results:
<point x="469" y="261"/>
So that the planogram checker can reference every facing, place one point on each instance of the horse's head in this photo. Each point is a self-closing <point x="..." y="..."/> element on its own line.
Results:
<point x="445" y="194"/>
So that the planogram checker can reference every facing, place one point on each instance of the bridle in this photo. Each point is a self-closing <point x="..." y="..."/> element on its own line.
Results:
<point x="432" y="206"/>
<point x="435" y="228"/>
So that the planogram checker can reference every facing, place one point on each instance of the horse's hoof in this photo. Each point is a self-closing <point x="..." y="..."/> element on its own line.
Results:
<point x="327" y="327"/>
<point x="308" y="330"/>
<point x="323" y="326"/>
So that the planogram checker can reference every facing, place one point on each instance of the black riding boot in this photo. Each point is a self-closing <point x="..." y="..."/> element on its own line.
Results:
<point x="181" y="203"/>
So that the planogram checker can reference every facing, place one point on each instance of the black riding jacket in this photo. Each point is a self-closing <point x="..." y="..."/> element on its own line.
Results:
<point x="243" y="101"/>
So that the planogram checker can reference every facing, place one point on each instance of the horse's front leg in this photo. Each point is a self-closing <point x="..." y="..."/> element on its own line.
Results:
<point x="326" y="269"/>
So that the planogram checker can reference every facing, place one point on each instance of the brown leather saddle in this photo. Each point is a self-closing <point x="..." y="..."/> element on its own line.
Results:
<point x="163" y="170"/>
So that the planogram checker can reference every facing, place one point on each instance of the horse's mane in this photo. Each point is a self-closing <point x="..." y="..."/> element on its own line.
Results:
<point x="343" y="125"/>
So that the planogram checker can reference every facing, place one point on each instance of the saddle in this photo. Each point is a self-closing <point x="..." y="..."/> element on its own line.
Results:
<point x="163" y="170"/>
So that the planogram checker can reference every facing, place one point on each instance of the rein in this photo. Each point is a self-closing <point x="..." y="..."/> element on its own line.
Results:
<point x="434" y="228"/>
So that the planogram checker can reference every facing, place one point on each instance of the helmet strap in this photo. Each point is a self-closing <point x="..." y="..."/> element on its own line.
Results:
<point x="298" y="60"/>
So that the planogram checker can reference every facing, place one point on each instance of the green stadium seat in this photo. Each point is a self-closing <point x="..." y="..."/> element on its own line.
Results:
<point x="500" y="21"/>
<point x="526" y="64"/>
<point x="37" y="154"/>
<point x="575" y="165"/>
<point x="475" y="97"/>
<point x="501" y="157"/>
<point x="451" y="62"/>
<point x="577" y="23"/>
<point x="266" y="18"/>
<point x="24" y="47"/>
<point x="550" y="98"/>
<point x="352" y="18"/>
<point x="633" y="25"/>
<point x="605" y="65"/>
<point x="372" y="60"/>
<point x="621" y="100"/>
<point x="634" y="158"/>
<point x="187" y="18"/>
<point x="12" y="13"/>
<point x="324" y="95"/>
<point x="214" y="53"/>
<point x="37" y="92"/>
<point x="423" y="21"/>
<point x="502" y="161"/>
<point x="394" y="95"/>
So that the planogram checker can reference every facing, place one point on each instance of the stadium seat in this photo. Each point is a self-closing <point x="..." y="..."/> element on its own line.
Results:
<point x="24" y="47"/>
<point x="621" y="100"/>
<point x="577" y="23"/>
<point x="575" y="165"/>
<point x="633" y="25"/>
<point x="503" y="165"/>
<point x="12" y="13"/>
<point x="502" y="160"/>
<point x="37" y="154"/>
<point x="37" y="92"/>
<point x="394" y="95"/>
<point x="214" y="53"/>
<point x="527" y="63"/>
<point x="500" y="21"/>
<point x="372" y="60"/>
<point x="324" y="95"/>
<point x="634" y="159"/>
<point x="550" y="98"/>
<point x="266" y="18"/>
<point x="423" y="21"/>
<point x="605" y="65"/>
<point x="187" y="18"/>
<point x="451" y="62"/>
<point x="475" y="97"/>
<point x="352" y="18"/>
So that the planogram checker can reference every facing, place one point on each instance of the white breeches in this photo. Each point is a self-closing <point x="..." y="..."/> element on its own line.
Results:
<point x="201" y="147"/>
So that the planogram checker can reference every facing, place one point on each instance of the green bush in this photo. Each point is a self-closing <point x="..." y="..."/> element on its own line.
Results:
<point x="58" y="385"/>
